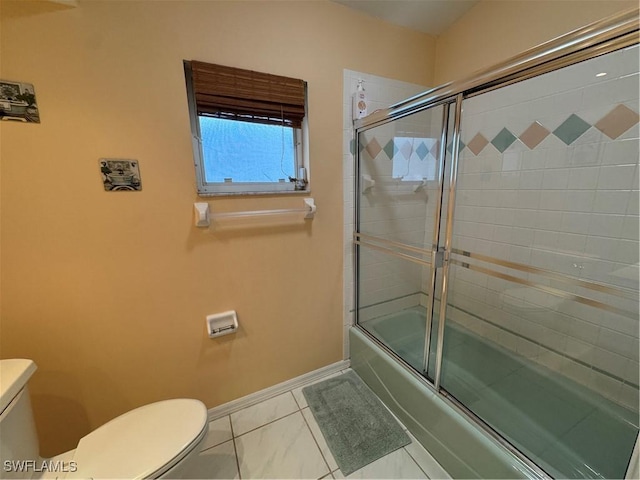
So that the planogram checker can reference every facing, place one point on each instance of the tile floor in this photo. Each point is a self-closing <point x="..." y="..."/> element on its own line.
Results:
<point x="279" y="438"/>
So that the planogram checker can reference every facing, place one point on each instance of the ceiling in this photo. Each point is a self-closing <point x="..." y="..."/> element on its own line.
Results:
<point x="428" y="16"/>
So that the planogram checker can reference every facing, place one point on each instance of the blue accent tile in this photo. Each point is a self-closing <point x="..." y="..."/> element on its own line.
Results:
<point x="571" y="129"/>
<point x="422" y="151"/>
<point x="503" y="140"/>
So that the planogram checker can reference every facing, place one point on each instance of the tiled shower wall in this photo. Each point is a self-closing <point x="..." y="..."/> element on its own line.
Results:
<point x="548" y="177"/>
<point x="387" y="209"/>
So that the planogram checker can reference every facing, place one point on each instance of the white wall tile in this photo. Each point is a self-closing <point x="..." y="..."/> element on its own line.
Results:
<point x="605" y="225"/>
<point x="611" y="201"/>
<point x="617" y="177"/>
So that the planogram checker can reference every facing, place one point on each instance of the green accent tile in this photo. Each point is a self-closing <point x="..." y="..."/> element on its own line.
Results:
<point x="503" y="140"/>
<point x="390" y="149"/>
<point x="571" y="129"/>
<point x="461" y="146"/>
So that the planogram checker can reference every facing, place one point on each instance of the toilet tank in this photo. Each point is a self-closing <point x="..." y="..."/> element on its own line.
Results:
<point x="18" y="438"/>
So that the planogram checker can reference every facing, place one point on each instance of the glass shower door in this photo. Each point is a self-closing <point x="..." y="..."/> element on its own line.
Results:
<point x="400" y="172"/>
<point x="541" y="338"/>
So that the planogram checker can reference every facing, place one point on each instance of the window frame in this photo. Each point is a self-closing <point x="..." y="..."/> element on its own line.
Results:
<point x="206" y="189"/>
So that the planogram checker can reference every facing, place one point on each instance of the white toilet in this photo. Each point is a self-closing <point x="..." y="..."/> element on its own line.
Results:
<point x="154" y="441"/>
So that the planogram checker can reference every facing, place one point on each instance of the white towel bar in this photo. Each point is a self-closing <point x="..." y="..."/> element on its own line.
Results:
<point x="203" y="216"/>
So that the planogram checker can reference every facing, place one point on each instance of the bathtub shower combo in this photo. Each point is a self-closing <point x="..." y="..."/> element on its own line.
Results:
<point x="496" y="261"/>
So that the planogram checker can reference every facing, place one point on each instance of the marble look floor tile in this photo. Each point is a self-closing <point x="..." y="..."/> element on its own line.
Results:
<point x="282" y="449"/>
<point x="398" y="464"/>
<point x="262" y="413"/>
<point x="219" y="432"/>
<point x="317" y="434"/>
<point x="216" y="462"/>
<point x="425" y="461"/>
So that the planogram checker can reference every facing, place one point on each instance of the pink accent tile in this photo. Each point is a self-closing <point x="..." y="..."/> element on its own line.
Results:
<point x="406" y="150"/>
<point x="617" y="121"/>
<point x="435" y="149"/>
<point x="477" y="143"/>
<point x="533" y="135"/>
<point x="373" y="148"/>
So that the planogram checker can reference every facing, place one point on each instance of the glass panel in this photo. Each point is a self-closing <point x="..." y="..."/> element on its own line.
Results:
<point x="400" y="176"/>
<point x="542" y="327"/>
<point x="246" y="151"/>
<point x="391" y="303"/>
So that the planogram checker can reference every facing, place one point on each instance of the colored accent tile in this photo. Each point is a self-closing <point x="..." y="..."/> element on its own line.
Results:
<point x="503" y="140"/>
<point x="435" y="149"/>
<point x="477" y="143"/>
<point x="390" y="149"/>
<point x="617" y="121"/>
<point x="571" y="129"/>
<point x="422" y="151"/>
<point x="406" y="150"/>
<point x="461" y="146"/>
<point x="533" y="135"/>
<point x="373" y="148"/>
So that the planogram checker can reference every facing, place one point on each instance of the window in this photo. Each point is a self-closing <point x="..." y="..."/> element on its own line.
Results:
<point x="249" y="130"/>
<point x="414" y="158"/>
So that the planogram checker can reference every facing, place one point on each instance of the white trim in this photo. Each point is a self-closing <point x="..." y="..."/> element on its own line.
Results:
<point x="259" y="396"/>
<point x="230" y="188"/>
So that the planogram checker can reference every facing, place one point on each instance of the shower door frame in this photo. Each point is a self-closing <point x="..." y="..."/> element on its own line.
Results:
<point x="599" y="38"/>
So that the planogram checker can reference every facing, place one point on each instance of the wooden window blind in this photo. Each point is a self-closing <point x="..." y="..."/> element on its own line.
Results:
<point x="237" y="94"/>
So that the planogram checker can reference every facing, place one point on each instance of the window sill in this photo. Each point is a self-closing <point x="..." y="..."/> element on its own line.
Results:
<point x="274" y="193"/>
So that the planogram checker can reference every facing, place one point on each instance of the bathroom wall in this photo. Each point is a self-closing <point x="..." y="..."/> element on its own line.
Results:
<point x="549" y="178"/>
<point x="495" y="30"/>
<point x="108" y="291"/>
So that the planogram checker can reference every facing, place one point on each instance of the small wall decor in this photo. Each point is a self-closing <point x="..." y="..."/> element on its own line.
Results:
<point x="120" y="174"/>
<point x="18" y="102"/>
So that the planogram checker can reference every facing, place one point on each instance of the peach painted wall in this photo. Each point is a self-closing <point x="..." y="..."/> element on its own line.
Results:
<point x="495" y="30"/>
<point x="108" y="292"/>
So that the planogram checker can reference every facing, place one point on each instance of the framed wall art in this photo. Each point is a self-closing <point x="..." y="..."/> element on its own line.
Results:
<point x="119" y="174"/>
<point x="18" y="102"/>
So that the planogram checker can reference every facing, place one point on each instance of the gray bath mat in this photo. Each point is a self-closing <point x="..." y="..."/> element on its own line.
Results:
<point x="356" y="425"/>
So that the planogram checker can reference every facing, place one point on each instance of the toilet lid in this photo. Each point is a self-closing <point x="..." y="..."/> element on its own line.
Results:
<point x="141" y="443"/>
